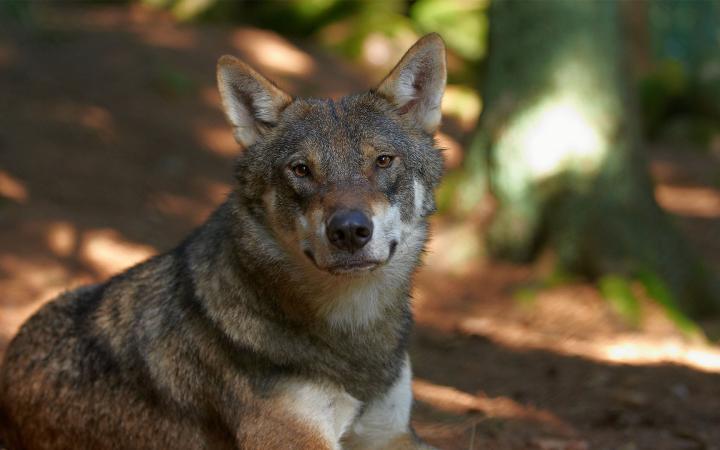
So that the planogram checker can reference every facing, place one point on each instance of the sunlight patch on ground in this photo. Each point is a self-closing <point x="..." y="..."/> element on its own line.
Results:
<point x="168" y="36"/>
<point x="701" y="202"/>
<point x="13" y="316"/>
<point x="447" y="398"/>
<point x="215" y="191"/>
<point x="196" y="209"/>
<point x="26" y="285"/>
<point x="382" y="52"/>
<point x="62" y="238"/>
<point x="462" y="103"/>
<point x="218" y="139"/>
<point x="454" y="248"/>
<point x="94" y="118"/>
<point x="273" y="53"/>
<point x="181" y="206"/>
<point x="627" y="349"/>
<point x="30" y="276"/>
<point x="641" y="351"/>
<point x="12" y="188"/>
<point x="108" y="252"/>
<point x="376" y="50"/>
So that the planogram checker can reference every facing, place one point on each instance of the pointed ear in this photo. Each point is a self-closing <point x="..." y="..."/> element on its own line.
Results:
<point x="416" y="85"/>
<point x="252" y="103"/>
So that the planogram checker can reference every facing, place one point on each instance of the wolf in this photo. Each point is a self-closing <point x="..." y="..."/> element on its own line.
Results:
<point x="280" y="323"/>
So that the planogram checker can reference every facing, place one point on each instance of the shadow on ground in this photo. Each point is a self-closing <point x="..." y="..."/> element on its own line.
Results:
<point x="473" y="389"/>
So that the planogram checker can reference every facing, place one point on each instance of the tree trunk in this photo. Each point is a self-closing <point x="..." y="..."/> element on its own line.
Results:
<point x="559" y="142"/>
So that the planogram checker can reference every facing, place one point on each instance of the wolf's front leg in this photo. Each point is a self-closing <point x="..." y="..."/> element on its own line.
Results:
<point x="297" y="415"/>
<point x="385" y="423"/>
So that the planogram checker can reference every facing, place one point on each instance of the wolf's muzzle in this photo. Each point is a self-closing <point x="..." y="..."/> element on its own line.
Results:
<point x="349" y="230"/>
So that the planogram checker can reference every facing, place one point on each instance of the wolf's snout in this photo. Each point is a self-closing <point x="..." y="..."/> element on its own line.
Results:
<point x="349" y="230"/>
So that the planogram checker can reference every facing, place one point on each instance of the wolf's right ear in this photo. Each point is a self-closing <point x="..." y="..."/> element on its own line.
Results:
<point x="252" y="103"/>
<point x="416" y="85"/>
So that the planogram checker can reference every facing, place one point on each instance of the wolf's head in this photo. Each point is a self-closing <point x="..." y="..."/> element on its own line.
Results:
<point x="345" y="186"/>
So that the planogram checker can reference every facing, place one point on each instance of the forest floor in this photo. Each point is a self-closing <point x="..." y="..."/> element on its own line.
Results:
<point x="113" y="147"/>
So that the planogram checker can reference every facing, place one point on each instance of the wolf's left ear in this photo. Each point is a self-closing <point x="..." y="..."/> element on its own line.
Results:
<point x="252" y="103"/>
<point x="416" y="85"/>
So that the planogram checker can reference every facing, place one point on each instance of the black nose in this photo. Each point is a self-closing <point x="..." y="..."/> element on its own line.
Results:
<point x="349" y="230"/>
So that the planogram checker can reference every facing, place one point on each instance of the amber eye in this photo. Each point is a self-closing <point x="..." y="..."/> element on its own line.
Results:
<point x="384" y="161"/>
<point x="301" y="170"/>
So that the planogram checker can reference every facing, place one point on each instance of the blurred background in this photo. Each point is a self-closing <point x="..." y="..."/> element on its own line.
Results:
<point x="570" y="296"/>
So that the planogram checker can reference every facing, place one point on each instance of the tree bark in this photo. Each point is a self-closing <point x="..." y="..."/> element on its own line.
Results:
<point x="559" y="143"/>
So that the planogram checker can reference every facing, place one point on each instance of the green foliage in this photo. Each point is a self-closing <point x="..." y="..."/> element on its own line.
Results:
<point x="462" y="23"/>
<point x="659" y="91"/>
<point x="184" y="9"/>
<point x="19" y="10"/>
<point x="681" y="89"/>
<point x="526" y="295"/>
<point x="674" y="104"/>
<point x="697" y="129"/>
<point x="617" y="290"/>
<point x="658" y="290"/>
<point x="290" y="17"/>
<point x="461" y="191"/>
<point x="348" y="34"/>
<point x="445" y="195"/>
<point x="345" y="26"/>
<point x="685" y="31"/>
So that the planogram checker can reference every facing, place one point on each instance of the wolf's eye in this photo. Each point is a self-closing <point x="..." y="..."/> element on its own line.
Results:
<point x="384" y="161"/>
<point x="301" y="170"/>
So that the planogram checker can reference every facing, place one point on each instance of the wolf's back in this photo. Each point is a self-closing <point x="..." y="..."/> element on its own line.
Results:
<point x="54" y="371"/>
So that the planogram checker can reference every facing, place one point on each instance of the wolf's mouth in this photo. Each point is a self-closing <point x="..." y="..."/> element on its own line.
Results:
<point x="349" y="268"/>
<point x="352" y="266"/>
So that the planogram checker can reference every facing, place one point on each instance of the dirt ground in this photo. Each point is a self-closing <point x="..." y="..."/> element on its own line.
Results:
<point x="113" y="147"/>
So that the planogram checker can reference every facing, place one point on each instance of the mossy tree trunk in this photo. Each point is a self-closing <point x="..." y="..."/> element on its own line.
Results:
<point x="559" y="146"/>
